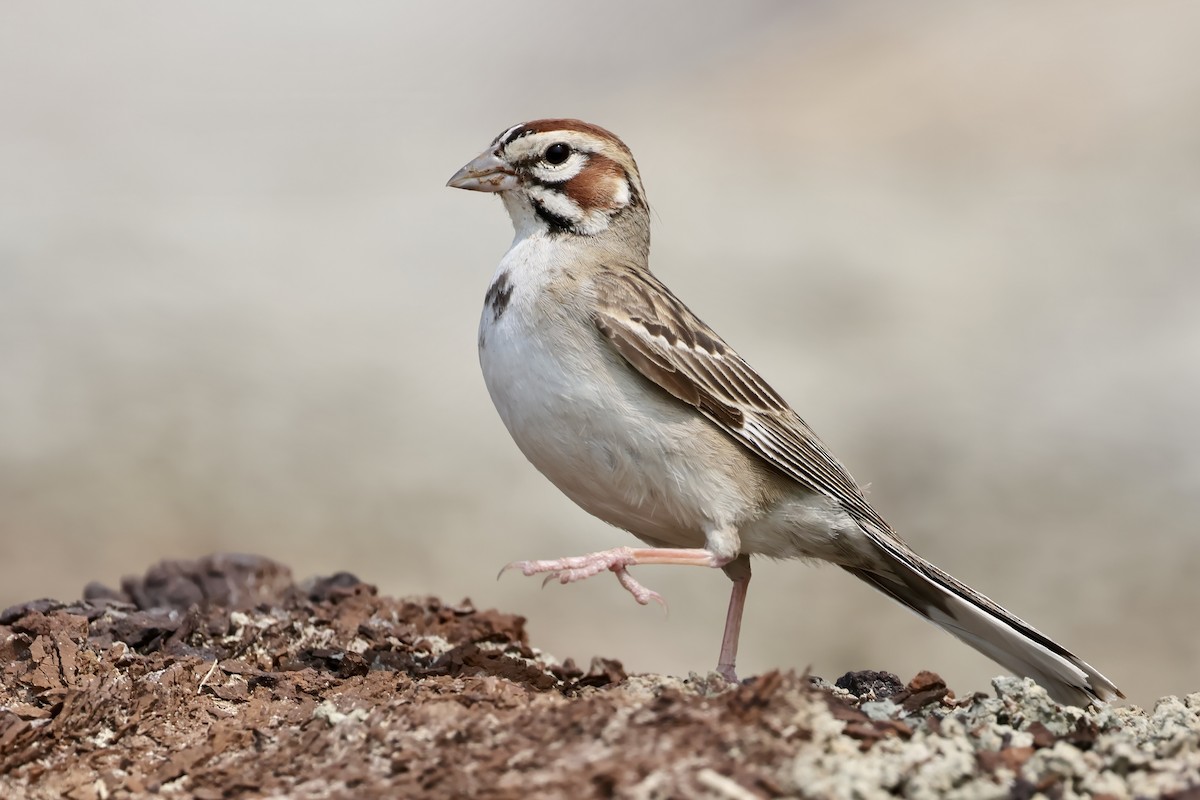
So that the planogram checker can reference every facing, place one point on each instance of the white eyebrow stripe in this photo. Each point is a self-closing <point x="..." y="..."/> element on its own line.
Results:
<point x="527" y="144"/>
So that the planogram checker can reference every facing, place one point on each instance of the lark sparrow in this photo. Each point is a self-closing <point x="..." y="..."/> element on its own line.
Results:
<point x="646" y="418"/>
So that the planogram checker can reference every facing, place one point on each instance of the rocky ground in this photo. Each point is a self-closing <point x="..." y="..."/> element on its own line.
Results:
<point x="223" y="678"/>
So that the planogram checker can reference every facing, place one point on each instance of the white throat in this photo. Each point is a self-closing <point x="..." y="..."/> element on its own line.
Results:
<point x="526" y="222"/>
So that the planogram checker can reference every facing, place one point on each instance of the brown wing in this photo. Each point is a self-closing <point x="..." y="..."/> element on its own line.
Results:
<point x="667" y="343"/>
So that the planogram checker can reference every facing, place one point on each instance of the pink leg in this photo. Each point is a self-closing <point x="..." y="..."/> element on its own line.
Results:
<point x="618" y="560"/>
<point x="739" y="572"/>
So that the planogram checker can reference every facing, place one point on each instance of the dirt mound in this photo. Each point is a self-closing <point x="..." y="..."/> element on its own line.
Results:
<point x="223" y="678"/>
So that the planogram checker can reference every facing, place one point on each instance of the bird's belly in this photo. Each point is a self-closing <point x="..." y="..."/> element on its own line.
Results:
<point x="634" y="464"/>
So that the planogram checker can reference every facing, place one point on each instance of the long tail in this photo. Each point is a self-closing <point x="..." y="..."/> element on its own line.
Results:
<point x="985" y="626"/>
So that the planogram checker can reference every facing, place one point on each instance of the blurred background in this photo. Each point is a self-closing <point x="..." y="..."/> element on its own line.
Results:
<point x="238" y="307"/>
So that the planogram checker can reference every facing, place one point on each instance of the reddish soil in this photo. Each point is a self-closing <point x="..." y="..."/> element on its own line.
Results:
<point x="223" y="678"/>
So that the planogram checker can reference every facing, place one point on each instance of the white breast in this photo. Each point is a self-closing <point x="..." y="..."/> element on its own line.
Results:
<point x="582" y="416"/>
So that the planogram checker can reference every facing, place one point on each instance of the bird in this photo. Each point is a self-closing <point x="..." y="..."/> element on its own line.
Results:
<point x="647" y="419"/>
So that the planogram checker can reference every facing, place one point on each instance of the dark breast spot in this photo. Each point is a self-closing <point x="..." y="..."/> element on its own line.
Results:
<point x="498" y="295"/>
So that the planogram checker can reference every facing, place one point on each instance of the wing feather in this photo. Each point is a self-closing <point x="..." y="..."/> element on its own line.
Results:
<point x="668" y="344"/>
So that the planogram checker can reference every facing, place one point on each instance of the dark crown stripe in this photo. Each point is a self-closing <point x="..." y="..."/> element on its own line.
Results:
<point x="515" y="134"/>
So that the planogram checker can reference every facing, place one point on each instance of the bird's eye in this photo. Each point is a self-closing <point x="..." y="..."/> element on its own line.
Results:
<point x="558" y="152"/>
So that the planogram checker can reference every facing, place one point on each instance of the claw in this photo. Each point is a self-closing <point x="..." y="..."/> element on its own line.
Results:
<point x="576" y="568"/>
<point x="526" y="568"/>
<point x="640" y="593"/>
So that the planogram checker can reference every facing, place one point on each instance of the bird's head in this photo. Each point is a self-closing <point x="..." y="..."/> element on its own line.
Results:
<point x="561" y="177"/>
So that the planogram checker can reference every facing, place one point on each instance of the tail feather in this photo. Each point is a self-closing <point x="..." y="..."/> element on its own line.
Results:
<point x="984" y="625"/>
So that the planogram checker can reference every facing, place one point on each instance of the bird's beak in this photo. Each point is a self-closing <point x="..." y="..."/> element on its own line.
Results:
<point x="487" y="173"/>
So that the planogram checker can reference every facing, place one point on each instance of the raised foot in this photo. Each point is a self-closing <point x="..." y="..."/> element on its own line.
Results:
<point x="576" y="568"/>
